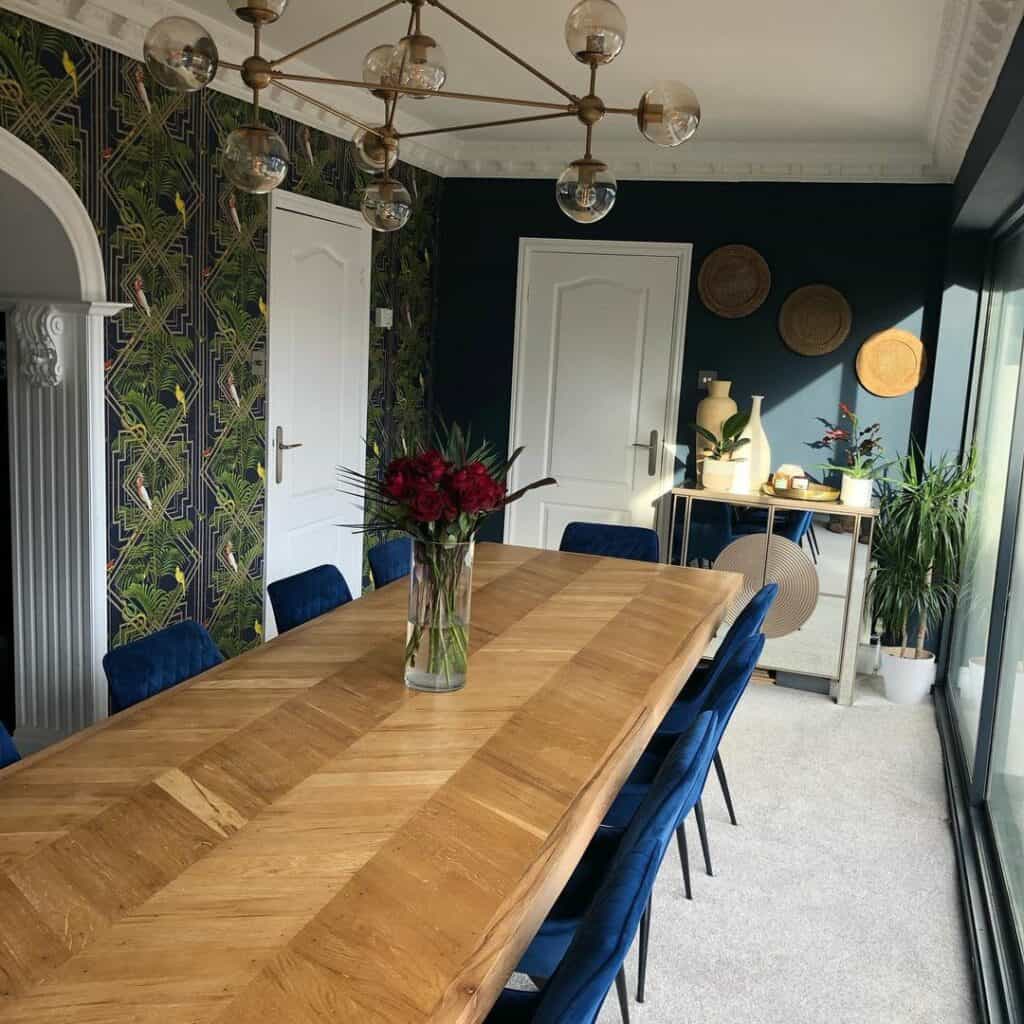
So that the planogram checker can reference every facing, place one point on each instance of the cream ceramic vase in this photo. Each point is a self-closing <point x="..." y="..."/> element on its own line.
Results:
<point x="713" y="411"/>
<point x="758" y="454"/>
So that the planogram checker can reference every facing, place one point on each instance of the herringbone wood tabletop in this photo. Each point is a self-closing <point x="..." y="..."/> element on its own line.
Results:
<point x="295" y="837"/>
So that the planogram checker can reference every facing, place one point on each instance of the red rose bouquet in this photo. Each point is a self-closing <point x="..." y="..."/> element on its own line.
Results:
<point x="440" y="496"/>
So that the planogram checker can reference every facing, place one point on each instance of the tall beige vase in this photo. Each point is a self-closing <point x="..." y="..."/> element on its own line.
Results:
<point x="758" y="453"/>
<point x="713" y="411"/>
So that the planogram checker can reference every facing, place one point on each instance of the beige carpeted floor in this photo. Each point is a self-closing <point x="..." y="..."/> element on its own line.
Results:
<point x="835" y="901"/>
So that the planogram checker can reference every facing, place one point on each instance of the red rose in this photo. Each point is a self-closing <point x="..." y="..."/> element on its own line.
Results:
<point x="430" y="464"/>
<point x="395" y="483"/>
<point x="427" y="505"/>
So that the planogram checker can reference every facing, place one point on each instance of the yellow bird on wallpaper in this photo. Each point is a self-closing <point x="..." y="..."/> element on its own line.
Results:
<point x="70" y="69"/>
<point x="261" y="472"/>
<point x="180" y="396"/>
<point x="257" y="628"/>
<point x="180" y="577"/>
<point x="263" y="308"/>
<point x="179" y="205"/>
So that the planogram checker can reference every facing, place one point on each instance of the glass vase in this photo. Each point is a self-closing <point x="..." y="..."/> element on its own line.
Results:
<point x="437" y="639"/>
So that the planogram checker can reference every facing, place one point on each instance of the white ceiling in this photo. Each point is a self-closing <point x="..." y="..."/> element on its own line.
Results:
<point x="806" y="89"/>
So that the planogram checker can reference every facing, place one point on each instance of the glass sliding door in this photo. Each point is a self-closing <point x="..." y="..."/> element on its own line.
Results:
<point x="995" y="406"/>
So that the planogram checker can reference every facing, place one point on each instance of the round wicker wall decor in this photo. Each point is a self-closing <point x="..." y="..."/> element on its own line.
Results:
<point x="734" y="280"/>
<point x="891" y="363"/>
<point x="787" y="565"/>
<point x="815" y="320"/>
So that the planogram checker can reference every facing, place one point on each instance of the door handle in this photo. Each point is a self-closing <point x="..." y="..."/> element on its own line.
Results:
<point x="652" y="452"/>
<point x="280" y="448"/>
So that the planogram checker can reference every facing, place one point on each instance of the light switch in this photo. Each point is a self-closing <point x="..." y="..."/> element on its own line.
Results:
<point x="704" y="376"/>
<point x="383" y="317"/>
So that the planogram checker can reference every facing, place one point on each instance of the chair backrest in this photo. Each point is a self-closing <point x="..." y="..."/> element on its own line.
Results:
<point x="636" y="542"/>
<point x="797" y="526"/>
<point x="157" y="662"/>
<point x="299" y="598"/>
<point x="733" y="680"/>
<point x="8" y="751"/>
<point x="390" y="560"/>
<point x="578" y="987"/>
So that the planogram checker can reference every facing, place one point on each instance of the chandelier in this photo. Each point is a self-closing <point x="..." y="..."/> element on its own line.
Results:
<point x="182" y="56"/>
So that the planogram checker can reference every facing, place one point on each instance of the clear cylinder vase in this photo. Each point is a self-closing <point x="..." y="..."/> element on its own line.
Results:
<point x="437" y="639"/>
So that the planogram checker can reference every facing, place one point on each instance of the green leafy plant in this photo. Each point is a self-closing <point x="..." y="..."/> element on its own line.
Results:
<point x="730" y="442"/>
<point x="864" y="451"/>
<point x="919" y="537"/>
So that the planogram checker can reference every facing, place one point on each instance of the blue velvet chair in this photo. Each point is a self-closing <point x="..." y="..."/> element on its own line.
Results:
<point x="635" y="542"/>
<point x="8" y="751"/>
<point x="390" y="560"/>
<point x="145" y="667"/>
<point x="711" y="532"/>
<point x="581" y="947"/>
<point x="299" y="598"/>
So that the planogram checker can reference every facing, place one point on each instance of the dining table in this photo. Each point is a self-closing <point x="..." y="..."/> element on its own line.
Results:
<point x="296" y="837"/>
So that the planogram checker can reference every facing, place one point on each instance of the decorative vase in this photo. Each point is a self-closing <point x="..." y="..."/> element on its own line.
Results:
<point x="718" y="474"/>
<point x="713" y="411"/>
<point x="437" y="639"/>
<point x="758" y="453"/>
<point x="856" y="492"/>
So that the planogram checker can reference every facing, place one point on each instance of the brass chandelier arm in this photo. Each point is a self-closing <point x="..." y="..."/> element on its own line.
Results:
<point x="325" y="107"/>
<point x="407" y="91"/>
<point x="391" y="102"/>
<point x="486" y="124"/>
<point x="631" y="111"/>
<point x="502" y="49"/>
<point x="337" y="32"/>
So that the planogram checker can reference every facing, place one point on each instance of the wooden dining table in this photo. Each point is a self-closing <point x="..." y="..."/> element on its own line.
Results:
<point x="295" y="837"/>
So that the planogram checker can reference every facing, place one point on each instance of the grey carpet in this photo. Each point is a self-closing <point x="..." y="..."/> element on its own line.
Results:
<point x="835" y="900"/>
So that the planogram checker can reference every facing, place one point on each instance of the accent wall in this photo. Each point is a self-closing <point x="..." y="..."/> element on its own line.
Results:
<point x="185" y="387"/>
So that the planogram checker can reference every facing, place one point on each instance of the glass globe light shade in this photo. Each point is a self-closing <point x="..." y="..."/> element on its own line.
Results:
<point x="668" y="114"/>
<point x="586" y="191"/>
<point x="376" y="64"/>
<point x="255" y="159"/>
<point x="386" y="205"/>
<point x="418" y="63"/>
<point x="595" y="31"/>
<point x="374" y="152"/>
<point x="180" y="54"/>
<point x="258" y="11"/>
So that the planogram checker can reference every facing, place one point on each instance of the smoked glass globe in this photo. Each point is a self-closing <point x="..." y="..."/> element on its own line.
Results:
<point x="668" y="114"/>
<point x="386" y="205"/>
<point x="180" y="54"/>
<point x="595" y="31"/>
<point x="375" y="152"/>
<point x="376" y="64"/>
<point x="586" y="190"/>
<point x="255" y="159"/>
<point x="258" y="11"/>
<point x="418" y="63"/>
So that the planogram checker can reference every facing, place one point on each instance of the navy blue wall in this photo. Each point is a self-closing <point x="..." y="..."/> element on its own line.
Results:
<point x="883" y="246"/>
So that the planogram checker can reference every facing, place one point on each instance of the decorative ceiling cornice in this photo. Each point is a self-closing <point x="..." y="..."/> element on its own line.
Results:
<point x="974" y="39"/>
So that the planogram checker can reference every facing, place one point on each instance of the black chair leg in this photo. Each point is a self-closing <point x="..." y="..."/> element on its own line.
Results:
<point x="684" y="858"/>
<point x="724" y="783"/>
<point x="645" y="941"/>
<point x="702" y="829"/>
<point x="620" y="988"/>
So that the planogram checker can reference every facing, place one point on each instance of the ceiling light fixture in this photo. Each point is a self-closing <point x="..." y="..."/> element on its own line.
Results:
<point x="182" y="56"/>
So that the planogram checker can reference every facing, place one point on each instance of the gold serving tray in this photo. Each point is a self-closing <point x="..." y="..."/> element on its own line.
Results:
<point x="814" y="492"/>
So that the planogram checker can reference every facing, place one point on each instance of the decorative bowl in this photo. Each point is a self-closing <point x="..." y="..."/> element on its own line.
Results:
<point x="814" y="492"/>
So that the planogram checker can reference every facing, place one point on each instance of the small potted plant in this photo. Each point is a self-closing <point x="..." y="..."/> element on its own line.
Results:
<point x="915" y="579"/>
<point x="863" y="460"/>
<point x="719" y="458"/>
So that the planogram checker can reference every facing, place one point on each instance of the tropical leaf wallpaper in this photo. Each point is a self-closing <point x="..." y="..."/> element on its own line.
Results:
<point x="185" y="389"/>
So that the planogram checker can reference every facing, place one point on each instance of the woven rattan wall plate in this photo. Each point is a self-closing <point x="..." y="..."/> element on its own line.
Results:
<point x="734" y="281"/>
<point x="891" y="363"/>
<point x="815" y="320"/>
<point x="787" y="565"/>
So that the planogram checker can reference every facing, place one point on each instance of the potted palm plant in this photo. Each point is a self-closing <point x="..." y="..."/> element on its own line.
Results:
<point x="719" y="461"/>
<point x="915" y="580"/>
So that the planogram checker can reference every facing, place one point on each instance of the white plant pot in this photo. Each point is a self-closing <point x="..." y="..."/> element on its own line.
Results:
<point x="856" y="492"/>
<point x="907" y="680"/>
<point x="718" y="474"/>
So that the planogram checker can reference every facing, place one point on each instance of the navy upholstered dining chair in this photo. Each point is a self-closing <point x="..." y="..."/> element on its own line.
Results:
<point x="8" y="751"/>
<point x="390" y="560"/>
<point x="581" y="947"/>
<point x="145" y="667"/>
<point x="299" y="598"/>
<point x="638" y="543"/>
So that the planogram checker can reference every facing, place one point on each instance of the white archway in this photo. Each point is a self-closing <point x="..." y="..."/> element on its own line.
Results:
<point x="55" y="392"/>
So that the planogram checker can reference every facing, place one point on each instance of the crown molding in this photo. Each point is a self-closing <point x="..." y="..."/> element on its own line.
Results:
<point x="974" y="40"/>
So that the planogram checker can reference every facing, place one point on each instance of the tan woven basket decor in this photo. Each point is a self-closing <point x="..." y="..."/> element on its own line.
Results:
<point x="815" y="320"/>
<point x="891" y="363"/>
<point x="734" y="281"/>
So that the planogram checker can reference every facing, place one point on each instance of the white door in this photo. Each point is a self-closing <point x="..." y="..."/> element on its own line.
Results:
<point x="318" y="349"/>
<point x="598" y="364"/>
